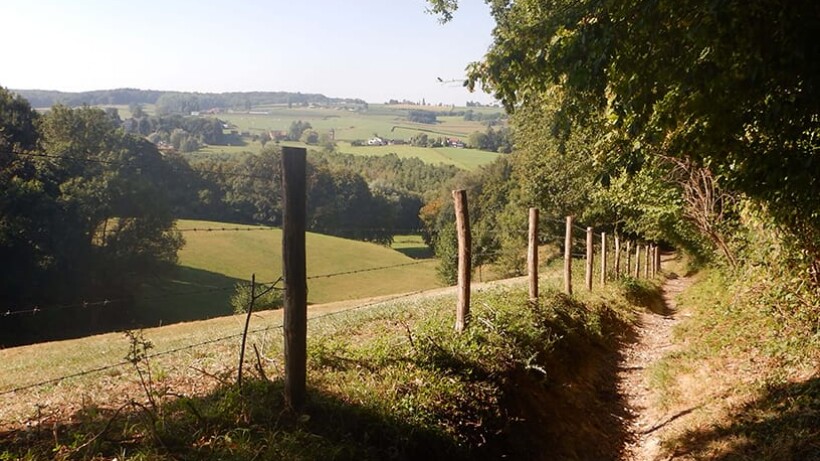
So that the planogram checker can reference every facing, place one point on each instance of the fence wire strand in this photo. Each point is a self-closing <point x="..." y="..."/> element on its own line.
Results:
<point x="201" y="343"/>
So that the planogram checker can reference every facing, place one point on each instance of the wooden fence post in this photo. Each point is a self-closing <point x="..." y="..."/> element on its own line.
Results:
<point x="658" y="258"/>
<point x="294" y="273"/>
<point x="590" y="258"/>
<point x="464" y="243"/>
<point x="617" y="255"/>
<point x="532" y="255"/>
<point x="637" y="260"/>
<point x="603" y="258"/>
<point x="648" y="260"/>
<point x="628" y="265"/>
<point x="568" y="258"/>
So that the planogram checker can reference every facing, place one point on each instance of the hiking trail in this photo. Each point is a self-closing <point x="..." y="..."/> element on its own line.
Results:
<point x="653" y="341"/>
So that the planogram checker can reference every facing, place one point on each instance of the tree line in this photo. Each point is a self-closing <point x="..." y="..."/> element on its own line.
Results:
<point x="176" y="102"/>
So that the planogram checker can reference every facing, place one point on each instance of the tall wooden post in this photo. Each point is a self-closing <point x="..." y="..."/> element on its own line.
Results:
<point x="590" y="258"/>
<point x="294" y="272"/>
<point x="637" y="260"/>
<point x="648" y="260"/>
<point x="617" y="255"/>
<point x="603" y="258"/>
<point x="628" y="265"/>
<point x="658" y="258"/>
<point x="464" y="243"/>
<point x="568" y="258"/>
<point x="532" y="255"/>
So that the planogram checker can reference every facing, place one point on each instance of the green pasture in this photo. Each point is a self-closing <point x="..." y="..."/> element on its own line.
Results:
<point x="350" y="125"/>
<point x="468" y="159"/>
<point x="212" y="262"/>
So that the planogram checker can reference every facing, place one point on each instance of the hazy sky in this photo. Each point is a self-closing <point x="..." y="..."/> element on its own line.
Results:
<point x="370" y="49"/>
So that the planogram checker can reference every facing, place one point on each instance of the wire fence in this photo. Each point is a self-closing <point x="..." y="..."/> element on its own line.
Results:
<point x="492" y="250"/>
<point x="10" y="311"/>
<point x="200" y="344"/>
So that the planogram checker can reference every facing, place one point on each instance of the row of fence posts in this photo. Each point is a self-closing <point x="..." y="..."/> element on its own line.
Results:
<point x="294" y="267"/>
<point x="651" y="252"/>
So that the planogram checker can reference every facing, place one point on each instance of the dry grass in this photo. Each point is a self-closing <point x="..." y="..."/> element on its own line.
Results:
<point x="739" y="389"/>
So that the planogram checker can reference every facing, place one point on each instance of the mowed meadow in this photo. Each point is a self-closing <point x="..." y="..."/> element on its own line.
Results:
<point x="214" y="260"/>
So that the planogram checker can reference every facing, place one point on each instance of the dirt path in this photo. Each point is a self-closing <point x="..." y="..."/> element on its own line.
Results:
<point x="654" y="340"/>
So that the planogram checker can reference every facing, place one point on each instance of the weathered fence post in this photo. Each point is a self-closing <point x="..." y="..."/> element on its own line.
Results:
<point x="648" y="260"/>
<point x="532" y="255"/>
<point x="464" y="243"/>
<point x="568" y="258"/>
<point x="603" y="258"/>
<point x="590" y="258"/>
<point x="245" y="331"/>
<point x="637" y="260"/>
<point x="294" y="273"/>
<point x="657" y="259"/>
<point x="617" y="255"/>
<point x="628" y="265"/>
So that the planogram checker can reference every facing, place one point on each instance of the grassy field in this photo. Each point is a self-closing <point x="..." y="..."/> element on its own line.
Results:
<point x="217" y="260"/>
<point x="468" y="159"/>
<point x="381" y="120"/>
<point x="386" y="121"/>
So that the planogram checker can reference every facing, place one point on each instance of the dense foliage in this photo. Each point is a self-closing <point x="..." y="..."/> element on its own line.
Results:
<point x="185" y="134"/>
<point x="73" y="219"/>
<point x="725" y="89"/>
<point x="422" y="116"/>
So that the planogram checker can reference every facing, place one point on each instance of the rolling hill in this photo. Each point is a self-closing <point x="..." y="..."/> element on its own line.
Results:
<point x="212" y="262"/>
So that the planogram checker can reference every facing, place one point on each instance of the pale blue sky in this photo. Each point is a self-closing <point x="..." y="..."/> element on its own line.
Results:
<point x="370" y="49"/>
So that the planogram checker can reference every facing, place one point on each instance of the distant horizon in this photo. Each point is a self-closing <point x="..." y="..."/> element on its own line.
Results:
<point x="400" y="99"/>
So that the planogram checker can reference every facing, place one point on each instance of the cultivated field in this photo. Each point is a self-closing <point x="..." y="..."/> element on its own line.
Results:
<point x="388" y="122"/>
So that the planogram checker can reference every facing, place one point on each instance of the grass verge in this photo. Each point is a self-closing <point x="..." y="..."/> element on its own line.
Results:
<point x="747" y="375"/>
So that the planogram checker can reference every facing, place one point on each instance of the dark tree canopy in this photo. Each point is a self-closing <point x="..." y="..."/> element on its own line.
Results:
<point x="730" y="85"/>
<point x="82" y="206"/>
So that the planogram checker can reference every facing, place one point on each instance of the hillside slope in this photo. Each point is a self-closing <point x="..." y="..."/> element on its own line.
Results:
<point x="212" y="262"/>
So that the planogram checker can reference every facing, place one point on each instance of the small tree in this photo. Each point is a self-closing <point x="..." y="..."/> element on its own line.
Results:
<point x="266" y="298"/>
<point x="310" y="137"/>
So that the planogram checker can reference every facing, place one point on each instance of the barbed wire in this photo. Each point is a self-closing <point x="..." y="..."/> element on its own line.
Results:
<point x="106" y="302"/>
<point x="395" y="231"/>
<point x="227" y="229"/>
<point x="199" y="344"/>
<point x="371" y="269"/>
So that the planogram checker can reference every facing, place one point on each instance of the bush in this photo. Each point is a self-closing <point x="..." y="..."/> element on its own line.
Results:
<point x="269" y="298"/>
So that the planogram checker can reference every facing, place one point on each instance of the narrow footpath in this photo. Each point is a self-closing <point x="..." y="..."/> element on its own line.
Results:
<point x="654" y="340"/>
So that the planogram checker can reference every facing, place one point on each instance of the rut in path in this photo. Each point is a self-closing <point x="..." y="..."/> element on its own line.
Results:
<point x="654" y="340"/>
